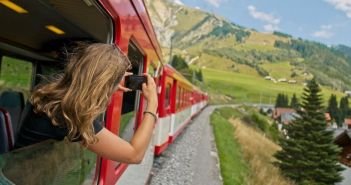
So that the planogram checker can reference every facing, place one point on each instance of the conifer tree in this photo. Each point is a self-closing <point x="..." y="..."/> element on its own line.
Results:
<point x="282" y="100"/>
<point x="335" y="113"/>
<point x="278" y="101"/>
<point x="294" y="102"/>
<point x="344" y="107"/>
<point x="308" y="154"/>
<point x="199" y="75"/>
<point x="285" y="100"/>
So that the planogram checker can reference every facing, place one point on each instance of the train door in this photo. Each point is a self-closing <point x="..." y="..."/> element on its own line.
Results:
<point x="131" y="100"/>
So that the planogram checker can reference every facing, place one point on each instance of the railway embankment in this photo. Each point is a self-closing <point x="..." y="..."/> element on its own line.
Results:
<point x="246" y="144"/>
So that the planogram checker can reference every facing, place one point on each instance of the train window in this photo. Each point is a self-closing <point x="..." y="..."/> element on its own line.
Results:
<point x="182" y="98"/>
<point x="168" y="96"/>
<point x="131" y="99"/>
<point x="79" y="164"/>
<point x="15" y="75"/>
<point x="179" y="98"/>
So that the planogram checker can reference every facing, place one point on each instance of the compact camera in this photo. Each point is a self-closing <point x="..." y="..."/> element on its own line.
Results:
<point x="135" y="82"/>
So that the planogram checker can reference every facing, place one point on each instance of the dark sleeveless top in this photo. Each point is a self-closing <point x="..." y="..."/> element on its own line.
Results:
<point x="38" y="127"/>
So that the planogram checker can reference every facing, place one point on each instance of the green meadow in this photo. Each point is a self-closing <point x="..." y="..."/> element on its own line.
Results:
<point x="239" y="88"/>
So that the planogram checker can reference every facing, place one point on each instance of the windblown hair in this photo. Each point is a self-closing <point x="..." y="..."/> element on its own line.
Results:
<point x="79" y="95"/>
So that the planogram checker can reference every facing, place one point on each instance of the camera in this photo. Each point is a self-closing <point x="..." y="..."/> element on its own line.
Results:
<point x="135" y="82"/>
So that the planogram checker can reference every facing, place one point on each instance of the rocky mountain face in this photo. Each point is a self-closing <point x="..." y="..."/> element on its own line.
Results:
<point x="207" y="40"/>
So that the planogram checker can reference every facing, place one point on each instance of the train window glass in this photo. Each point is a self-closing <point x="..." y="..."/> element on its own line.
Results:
<point x="180" y="98"/>
<point x="65" y="163"/>
<point x="168" y="95"/>
<point x="177" y="97"/>
<point x="183" y="98"/>
<point x="15" y="75"/>
<point x="131" y="100"/>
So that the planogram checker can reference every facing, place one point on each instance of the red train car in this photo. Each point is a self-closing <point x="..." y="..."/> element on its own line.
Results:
<point x="179" y="101"/>
<point x="33" y="36"/>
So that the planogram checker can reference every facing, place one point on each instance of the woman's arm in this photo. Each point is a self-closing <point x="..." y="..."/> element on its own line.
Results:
<point x="112" y="147"/>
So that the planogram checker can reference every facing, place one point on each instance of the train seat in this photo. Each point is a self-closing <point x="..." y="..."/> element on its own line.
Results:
<point x="4" y="146"/>
<point x="13" y="102"/>
<point x="6" y="132"/>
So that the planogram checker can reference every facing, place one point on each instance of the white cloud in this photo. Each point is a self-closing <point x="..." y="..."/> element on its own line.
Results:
<point x="343" y="5"/>
<point x="270" y="27"/>
<point x="215" y="3"/>
<point x="198" y="8"/>
<point x="324" y="32"/>
<point x="271" y="21"/>
<point x="178" y="2"/>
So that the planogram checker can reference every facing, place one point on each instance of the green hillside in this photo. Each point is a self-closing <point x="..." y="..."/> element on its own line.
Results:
<point x="216" y="45"/>
<point x="233" y="87"/>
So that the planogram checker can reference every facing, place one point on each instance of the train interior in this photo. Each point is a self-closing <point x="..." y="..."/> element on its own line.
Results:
<point x="35" y="37"/>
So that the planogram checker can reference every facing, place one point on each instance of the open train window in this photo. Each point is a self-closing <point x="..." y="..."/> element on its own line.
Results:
<point x="131" y="99"/>
<point x="15" y="84"/>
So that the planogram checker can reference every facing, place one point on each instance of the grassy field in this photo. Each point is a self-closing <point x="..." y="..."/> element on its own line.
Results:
<point x="234" y="169"/>
<point x="15" y="73"/>
<point x="278" y="70"/>
<point x="238" y="88"/>
<point x="258" y="151"/>
<point x="266" y="39"/>
<point x="245" y="153"/>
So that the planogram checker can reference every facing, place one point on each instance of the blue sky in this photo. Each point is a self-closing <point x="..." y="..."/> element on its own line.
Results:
<point x="326" y="21"/>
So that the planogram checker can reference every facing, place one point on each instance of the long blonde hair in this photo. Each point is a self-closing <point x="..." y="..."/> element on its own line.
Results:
<point x="76" y="97"/>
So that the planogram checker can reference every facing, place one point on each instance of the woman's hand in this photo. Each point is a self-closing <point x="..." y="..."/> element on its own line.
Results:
<point x="134" y="151"/>
<point x="150" y="93"/>
<point x="121" y="87"/>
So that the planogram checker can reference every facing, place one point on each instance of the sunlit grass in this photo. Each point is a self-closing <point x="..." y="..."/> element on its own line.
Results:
<point x="245" y="154"/>
<point x="257" y="150"/>
<point x="249" y="88"/>
<point x="234" y="169"/>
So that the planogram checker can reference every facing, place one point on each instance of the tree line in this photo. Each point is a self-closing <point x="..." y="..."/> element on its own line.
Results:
<point x="182" y="66"/>
<point x="338" y="112"/>
<point x="282" y="101"/>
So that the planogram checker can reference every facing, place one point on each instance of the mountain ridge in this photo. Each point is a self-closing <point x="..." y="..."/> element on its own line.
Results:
<point x="221" y="44"/>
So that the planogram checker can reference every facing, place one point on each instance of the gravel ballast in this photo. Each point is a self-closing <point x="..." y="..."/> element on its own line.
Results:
<point x="192" y="158"/>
